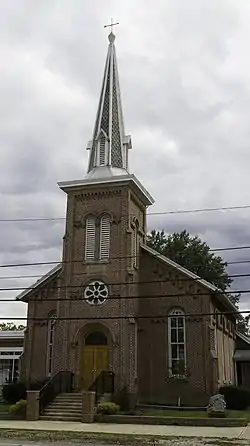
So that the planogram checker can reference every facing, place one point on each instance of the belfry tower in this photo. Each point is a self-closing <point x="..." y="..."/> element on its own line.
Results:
<point x="105" y="222"/>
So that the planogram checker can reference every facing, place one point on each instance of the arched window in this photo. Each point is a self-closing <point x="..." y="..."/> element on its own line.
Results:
<point x="96" y="338"/>
<point x="177" y="342"/>
<point x="102" y="150"/>
<point x="104" y="237"/>
<point x="90" y="239"/>
<point x="50" y="343"/>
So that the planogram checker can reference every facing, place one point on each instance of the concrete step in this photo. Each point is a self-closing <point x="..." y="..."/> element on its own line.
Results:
<point x="71" y="395"/>
<point x="62" y="417"/>
<point x="51" y="409"/>
<point x="65" y="407"/>
<point x="60" y="413"/>
<point x="69" y="400"/>
<point x="6" y="416"/>
<point x="59" y="404"/>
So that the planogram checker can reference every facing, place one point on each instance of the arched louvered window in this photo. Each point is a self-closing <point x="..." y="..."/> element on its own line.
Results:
<point x="102" y="151"/>
<point x="90" y="238"/>
<point x="177" y="342"/>
<point x="104" y="237"/>
<point x="50" y="343"/>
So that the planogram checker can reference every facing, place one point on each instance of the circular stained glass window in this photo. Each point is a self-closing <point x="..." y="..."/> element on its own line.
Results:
<point x="96" y="293"/>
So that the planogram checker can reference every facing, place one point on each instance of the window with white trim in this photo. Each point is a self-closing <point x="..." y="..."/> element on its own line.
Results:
<point x="177" y="342"/>
<point x="9" y="364"/>
<point x="90" y="240"/>
<point x="50" y="343"/>
<point x="104" y="237"/>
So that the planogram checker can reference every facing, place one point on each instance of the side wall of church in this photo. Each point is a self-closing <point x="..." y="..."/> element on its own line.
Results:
<point x="223" y="337"/>
<point x="156" y="385"/>
<point x="41" y="305"/>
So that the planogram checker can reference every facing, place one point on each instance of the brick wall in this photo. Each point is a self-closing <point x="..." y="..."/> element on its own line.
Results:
<point x="124" y="207"/>
<point x="138" y="345"/>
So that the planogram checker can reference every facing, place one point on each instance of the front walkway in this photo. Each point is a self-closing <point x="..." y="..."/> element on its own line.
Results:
<point x="99" y="428"/>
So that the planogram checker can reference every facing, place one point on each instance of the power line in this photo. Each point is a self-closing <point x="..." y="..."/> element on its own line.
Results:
<point x="53" y="262"/>
<point x="21" y="277"/>
<point x="232" y="248"/>
<point x="238" y="262"/>
<point x="178" y="211"/>
<point x="231" y="276"/>
<point x="147" y="282"/>
<point x="119" y="297"/>
<point x="131" y="316"/>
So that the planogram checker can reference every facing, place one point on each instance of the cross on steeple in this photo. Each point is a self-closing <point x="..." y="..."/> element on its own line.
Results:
<point x="112" y="24"/>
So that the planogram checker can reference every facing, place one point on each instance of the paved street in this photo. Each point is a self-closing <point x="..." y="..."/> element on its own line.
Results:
<point x="125" y="429"/>
<point x="19" y="433"/>
<point x="170" y="442"/>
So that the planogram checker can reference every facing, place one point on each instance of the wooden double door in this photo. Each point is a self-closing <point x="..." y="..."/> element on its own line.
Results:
<point x="95" y="358"/>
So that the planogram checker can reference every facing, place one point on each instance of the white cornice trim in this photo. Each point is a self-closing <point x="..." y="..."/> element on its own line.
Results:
<point x="219" y="293"/>
<point x="39" y="282"/>
<point x="129" y="178"/>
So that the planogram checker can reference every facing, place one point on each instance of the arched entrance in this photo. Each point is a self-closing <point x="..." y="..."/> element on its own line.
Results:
<point x="95" y="356"/>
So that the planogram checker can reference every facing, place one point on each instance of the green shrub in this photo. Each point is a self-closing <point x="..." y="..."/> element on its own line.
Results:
<point x="108" y="408"/>
<point x="19" y="408"/>
<point x="237" y="398"/>
<point x="14" y="392"/>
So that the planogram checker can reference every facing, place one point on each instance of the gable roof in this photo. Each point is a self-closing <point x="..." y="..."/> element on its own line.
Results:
<point x="219" y="293"/>
<point x="39" y="282"/>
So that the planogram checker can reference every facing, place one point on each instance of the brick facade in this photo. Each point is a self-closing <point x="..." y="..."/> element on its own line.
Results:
<point x="132" y="316"/>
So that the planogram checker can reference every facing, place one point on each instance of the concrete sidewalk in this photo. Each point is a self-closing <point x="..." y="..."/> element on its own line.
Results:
<point x="99" y="428"/>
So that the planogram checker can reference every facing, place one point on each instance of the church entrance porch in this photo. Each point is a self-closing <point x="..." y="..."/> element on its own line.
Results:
<point x="95" y="357"/>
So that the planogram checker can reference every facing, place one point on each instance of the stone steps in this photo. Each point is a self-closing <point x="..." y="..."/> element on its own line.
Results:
<point x="58" y="405"/>
<point x="64" y="417"/>
<point x="65" y="407"/>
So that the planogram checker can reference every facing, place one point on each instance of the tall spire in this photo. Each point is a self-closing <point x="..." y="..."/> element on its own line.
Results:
<point x="109" y="145"/>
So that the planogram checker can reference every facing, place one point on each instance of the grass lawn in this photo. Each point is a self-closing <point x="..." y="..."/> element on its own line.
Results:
<point x="194" y="413"/>
<point x="4" y="406"/>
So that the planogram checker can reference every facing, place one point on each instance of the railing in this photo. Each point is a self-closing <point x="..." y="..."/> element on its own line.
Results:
<point x="104" y="383"/>
<point x="60" y="382"/>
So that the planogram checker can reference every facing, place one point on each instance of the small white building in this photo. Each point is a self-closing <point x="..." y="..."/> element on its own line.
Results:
<point x="11" y="349"/>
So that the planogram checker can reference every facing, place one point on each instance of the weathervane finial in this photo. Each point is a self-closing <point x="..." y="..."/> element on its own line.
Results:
<point x="111" y="35"/>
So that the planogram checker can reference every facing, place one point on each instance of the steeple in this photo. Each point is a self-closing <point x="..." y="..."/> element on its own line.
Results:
<point x="109" y="146"/>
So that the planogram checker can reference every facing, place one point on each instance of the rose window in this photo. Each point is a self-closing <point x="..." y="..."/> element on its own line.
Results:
<point x="96" y="293"/>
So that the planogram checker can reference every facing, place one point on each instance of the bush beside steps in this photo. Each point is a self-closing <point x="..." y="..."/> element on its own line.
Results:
<point x="237" y="398"/>
<point x="18" y="409"/>
<point x="15" y="391"/>
<point x="108" y="408"/>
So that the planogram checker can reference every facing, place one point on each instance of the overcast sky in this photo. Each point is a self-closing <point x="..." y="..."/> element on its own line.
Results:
<point x="185" y="74"/>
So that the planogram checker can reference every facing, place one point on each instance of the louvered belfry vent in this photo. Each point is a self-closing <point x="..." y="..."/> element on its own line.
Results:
<point x="102" y="151"/>
<point x="104" y="238"/>
<point x="90" y="239"/>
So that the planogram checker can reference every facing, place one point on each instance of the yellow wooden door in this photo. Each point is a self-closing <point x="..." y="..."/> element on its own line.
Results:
<point x="88" y="366"/>
<point x="95" y="360"/>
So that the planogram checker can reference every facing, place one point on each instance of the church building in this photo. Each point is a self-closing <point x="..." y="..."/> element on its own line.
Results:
<point x="115" y="305"/>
